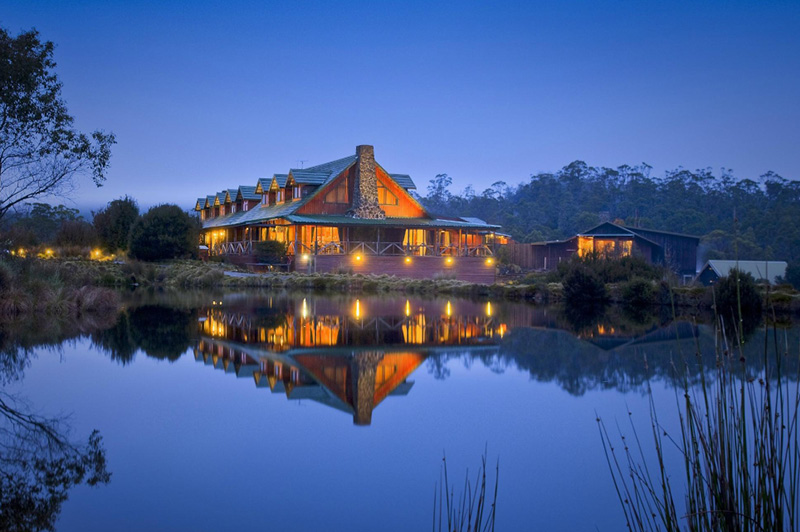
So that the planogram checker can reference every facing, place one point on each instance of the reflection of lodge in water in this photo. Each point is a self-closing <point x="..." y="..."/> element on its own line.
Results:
<point x="349" y="359"/>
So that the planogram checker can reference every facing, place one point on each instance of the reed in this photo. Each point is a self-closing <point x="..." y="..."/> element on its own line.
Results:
<point x="739" y="443"/>
<point x="472" y="511"/>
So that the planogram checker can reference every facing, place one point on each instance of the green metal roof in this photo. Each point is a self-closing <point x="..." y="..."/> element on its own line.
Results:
<point x="280" y="179"/>
<point x="421" y="223"/>
<point x="318" y="176"/>
<point x="248" y="193"/>
<point x="404" y="180"/>
<point x="759" y="269"/>
<point x="304" y="177"/>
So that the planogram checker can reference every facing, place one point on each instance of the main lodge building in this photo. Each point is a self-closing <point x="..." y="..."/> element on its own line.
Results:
<point x="349" y="214"/>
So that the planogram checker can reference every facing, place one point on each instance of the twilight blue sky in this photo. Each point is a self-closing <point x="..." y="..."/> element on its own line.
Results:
<point x="209" y="95"/>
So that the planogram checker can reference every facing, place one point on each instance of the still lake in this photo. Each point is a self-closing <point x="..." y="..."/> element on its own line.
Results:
<point x="255" y="411"/>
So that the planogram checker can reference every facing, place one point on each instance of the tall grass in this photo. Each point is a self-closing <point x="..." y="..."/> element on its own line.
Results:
<point x="739" y="443"/>
<point x="472" y="511"/>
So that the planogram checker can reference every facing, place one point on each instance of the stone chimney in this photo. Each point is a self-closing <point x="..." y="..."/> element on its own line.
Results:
<point x="365" y="188"/>
<point x="363" y="369"/>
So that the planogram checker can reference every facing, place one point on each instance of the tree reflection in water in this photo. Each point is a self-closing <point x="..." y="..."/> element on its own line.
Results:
<point x="39" y="463"/>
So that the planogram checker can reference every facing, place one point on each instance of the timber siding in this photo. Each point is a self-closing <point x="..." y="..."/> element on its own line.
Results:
<point x="676" y="251"/>
<point x="313" y="212"/>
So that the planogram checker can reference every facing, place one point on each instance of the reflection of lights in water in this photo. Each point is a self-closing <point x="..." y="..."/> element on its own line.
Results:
<point x="448" y="309"/>
<point x="408" y="308"/>
<point x="358" y="308"/>
<point x="304" y="311"/>
<point x="502" y="329"/>
<point x="489" y="308"/>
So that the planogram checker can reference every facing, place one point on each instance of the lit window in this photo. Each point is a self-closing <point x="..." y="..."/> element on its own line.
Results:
<point x="385" y="197"/>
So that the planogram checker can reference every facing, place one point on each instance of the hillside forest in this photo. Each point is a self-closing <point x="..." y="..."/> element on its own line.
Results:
<point x="752" y="219"/>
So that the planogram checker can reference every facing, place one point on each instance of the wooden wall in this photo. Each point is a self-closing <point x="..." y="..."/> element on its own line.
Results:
<point x="472" y="269"/>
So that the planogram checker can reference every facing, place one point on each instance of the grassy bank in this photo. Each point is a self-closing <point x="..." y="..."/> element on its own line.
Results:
<point x="43" y="288"/>
<point x="52" y="279"/>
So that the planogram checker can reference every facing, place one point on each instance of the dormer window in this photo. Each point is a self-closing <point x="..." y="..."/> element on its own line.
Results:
<point x="296" y="193"/>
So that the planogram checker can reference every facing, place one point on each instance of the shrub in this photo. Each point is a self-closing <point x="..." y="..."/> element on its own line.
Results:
<point x="164" y="232"/>
<point x="77" y="233"/>
<point x="738" y="291"/>
<point x="6" y="277"/>
<point x="114" y="223"/>
<point x="270" y="252"/>
<point x="582" y="284"/>
<point x="638" y="292"/>
<point x="793" y="275"/>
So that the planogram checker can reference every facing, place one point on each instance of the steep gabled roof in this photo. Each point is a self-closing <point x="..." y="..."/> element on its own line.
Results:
<point x="304" y="177"/>
<point x="279" y="180"/>
<point x="262" y="185"/>
<point x="200" y="205"/>
<point x="333" y="167"/>
<point x="319" y="176"/>
<point x="607" y="229"/>
<point x="247" y="193"/>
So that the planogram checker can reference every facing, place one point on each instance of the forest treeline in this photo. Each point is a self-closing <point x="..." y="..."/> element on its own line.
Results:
<point x="756" y="219"/>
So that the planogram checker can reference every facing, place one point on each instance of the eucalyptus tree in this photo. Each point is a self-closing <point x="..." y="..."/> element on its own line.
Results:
<point x="41" y="153"/>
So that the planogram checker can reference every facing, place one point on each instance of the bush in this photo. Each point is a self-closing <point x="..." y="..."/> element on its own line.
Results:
<point x="793" y="275"/>
<point x="582" y="284"/>
<point x="114" y="223"/>
<point x="638" y="292"/>
<point x="270" y="252"/>
<point x="748" y="298"/>
<point x="164" y="232"/>
<point x="76" y="233"/>
<point x="6" y="277"/>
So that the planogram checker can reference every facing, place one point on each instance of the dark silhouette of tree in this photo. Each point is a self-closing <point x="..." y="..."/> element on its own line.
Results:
<point x="114" y="223"/>
<point x="164" y="232"/>
<point x="40" y="152"/>
<point x="552" y="206"/>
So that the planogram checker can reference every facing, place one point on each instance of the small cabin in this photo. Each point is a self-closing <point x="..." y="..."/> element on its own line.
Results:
<point x="761" y="270"/>
<point x="609" y="240"/>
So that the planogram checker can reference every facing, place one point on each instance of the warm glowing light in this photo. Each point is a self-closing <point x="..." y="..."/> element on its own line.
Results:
<point x="489" y="261"/>
<point x="448" y="309"/>
<point x="408" y="260"/>
<point x="449" y="260"/>
<point x="408" y="308"/>
<point x="48" y="251"/>
<point x="358" y="257"/>
<point x="502" y="330"/>
<point x="489" y="308"/>
<point x="304" y="310"/>
<point x="358" y="308"/>
<point x="306" y="256"/>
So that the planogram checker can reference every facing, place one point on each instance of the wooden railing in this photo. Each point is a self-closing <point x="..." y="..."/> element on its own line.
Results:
<point x="345" y="247"/>
<point x="244" y="247"/>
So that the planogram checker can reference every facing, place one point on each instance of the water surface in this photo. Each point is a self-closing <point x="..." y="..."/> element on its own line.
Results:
<point x="262" y="411"/>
